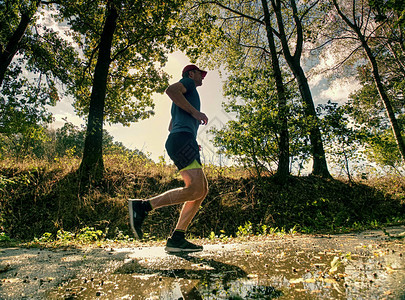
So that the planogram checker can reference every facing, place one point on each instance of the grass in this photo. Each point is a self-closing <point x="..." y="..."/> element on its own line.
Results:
<point x="40" y="201"/>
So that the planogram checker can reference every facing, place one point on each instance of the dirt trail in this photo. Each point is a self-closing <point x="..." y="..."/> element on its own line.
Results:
<point x="364" y="265"/>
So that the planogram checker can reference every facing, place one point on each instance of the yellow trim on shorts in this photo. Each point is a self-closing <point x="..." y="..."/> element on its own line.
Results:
<point x="193" y="165"/>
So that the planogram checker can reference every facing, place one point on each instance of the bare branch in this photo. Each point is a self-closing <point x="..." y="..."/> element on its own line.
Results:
<point x="308" y="10"/>
<point x="234" y="11"/>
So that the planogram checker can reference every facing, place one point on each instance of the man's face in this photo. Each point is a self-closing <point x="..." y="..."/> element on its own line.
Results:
<point x="196" y="76"/>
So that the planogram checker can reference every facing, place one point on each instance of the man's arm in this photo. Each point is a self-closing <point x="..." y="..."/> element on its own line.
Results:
<point x="170" y="125"/>
<point x="176" y="94"/>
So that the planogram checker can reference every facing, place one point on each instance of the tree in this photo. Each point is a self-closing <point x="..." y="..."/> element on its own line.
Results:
<point x="293" y="16"/>
<point x="368" y="112"/>
<point x="360" y="24"/>
<point x="124" y="44"/>
<point x="249" y="24"/>
<point x="243" y="40"/>
<point x="69" y="141"/>
<point x="13" y="29"/>
<point x="284" y="156"/>
<point x="92" y="153"/>
<point x="65" y="142"/>
<point x="390" y="17"/>
<point x="343" y="140"/>
<point x="33" y="60"/>
<point x="253" y="136"/>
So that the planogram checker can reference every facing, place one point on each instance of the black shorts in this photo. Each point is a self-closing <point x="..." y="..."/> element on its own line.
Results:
<point x="183" y="149"/>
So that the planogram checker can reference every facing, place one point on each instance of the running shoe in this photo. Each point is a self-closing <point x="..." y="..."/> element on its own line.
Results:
<point x="137" y="215"/>
<point x="182" y="245"/>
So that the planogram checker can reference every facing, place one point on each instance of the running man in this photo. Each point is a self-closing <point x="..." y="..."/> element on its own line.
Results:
<point x="182" y="147"/>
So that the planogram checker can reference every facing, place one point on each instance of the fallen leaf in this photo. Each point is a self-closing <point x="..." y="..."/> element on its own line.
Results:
<point x="335" y="263"/>
<point x="296" y="280"/>
<point x="11" y="280"/>
<point x="329" y="280"/>
<point x="319" y="265"/>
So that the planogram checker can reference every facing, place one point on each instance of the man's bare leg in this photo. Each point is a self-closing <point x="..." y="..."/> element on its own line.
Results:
<point x="187" y="214"/>
<point x="195" y="189"/>
<point x="192" y="194"/>
<point x="190" y="209"/>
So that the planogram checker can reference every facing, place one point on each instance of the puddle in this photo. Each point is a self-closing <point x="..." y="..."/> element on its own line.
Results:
<point x="337" y="267"/>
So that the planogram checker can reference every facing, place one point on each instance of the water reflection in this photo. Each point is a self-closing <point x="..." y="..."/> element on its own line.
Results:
<point x="202" y="278"/>
<point x="339" y="267"/>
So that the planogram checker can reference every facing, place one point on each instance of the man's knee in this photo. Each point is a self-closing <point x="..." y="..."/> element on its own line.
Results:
<point x="196" y="184"/>
<point x="198" y="191"/>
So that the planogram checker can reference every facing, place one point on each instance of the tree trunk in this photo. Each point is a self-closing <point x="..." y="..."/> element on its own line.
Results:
<point x="377" y="80"/>
<point x="320" y="166"/>
<point x="12" y="47"/>
<point x="283" y="169"/>
<point x="92" y="166"/>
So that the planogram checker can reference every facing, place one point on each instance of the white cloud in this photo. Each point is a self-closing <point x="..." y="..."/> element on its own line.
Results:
<point x="340" y="89"/>
<point x="314" y="80"/>
<point x="61" y="119"/>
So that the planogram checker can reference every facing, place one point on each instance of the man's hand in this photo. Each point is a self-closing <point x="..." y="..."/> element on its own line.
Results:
<point x="201" y="117"/>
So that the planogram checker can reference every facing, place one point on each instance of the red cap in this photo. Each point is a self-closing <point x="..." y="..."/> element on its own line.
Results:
<point x="193" y="67"/>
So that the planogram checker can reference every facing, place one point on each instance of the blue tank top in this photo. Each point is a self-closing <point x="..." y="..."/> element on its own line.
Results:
<point x="182" y="121"/>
